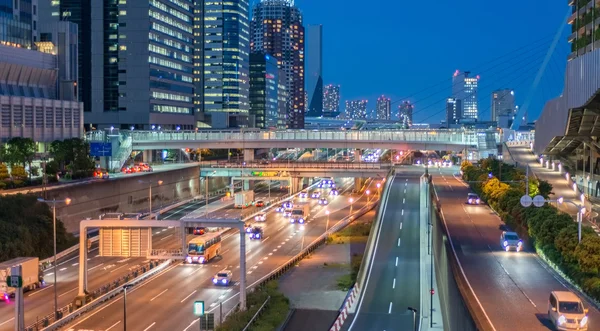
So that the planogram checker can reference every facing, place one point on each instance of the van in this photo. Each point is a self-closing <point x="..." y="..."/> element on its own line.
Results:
<point x="566" y="311"/>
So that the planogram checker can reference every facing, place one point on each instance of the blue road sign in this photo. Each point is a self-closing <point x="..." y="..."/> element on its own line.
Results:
<point x="100" y="149"/>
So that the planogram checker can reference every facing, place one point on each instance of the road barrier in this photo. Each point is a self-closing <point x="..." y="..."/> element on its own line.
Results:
<point x="103" y="298"/>
<point x="262" y="307"/>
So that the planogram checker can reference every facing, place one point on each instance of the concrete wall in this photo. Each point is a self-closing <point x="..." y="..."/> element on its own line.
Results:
<point x="128" y="195"/>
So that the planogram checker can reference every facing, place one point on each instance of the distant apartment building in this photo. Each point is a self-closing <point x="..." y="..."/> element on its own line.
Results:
<point x="356" y="109"/>
<point x="331" y="100"/>
<point x="267" y="107"/>
<point x="405" y="114"/>
<point x="277" y="29"/>
<point x="19" y="23"/>
<point x="503" y="105"/>
<point x="464" y="88"/>
<point x="453" y="111"/>
<point x="383" y="108"/>
<point x="314" y="70"/>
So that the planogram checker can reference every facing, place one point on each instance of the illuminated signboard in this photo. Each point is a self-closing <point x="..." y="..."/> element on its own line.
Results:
<point x="265" y="173"/>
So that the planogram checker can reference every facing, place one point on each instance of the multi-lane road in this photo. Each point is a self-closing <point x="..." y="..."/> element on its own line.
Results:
<point x="393" y="280"/>
<point x="512" y="288"/>
<point x="102" y="270"/>
<point x="165" y="301"/>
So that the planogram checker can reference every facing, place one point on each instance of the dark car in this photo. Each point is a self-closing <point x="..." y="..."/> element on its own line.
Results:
<point x="199" y="231"/>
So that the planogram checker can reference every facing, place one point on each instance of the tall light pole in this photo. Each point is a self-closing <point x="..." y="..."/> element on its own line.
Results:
<point x="327" y="225"/>
<point x="379" y="189"/>
<point x="351" y="204"/>
<point x="53" y="202"/>
<point x="368" y="192"/>
<point x="149" y="182"/>
<point x="125" y="288"/>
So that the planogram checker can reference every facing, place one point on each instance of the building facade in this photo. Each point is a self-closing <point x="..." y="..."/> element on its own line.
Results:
<point x="314" y="70"/>
<point x="135" y="60"/>
<point x="356" y="109"/>
<point x="503" y="104"/>
<point x="267" y="107"/>
<point x="383" y="108"/>
<point x="222" y="64"/>
<point x="331" y="100"/>
<point x="405" y="114"/>
<point x="453" y="111"/>
<point x="18" y="23"/>
<point x="464" y="88"/>
<point x="277" y="29"/>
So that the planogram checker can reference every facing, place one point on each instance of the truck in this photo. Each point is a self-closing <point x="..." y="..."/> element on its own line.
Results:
<point x="31" y="274"/>
<point x="244" y="199"/>
<point x="300" y="213"/>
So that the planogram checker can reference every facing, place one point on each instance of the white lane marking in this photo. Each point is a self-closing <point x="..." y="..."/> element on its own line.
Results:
<point x="166" y="237"/>
<point x="260" y="262"/>
<point x="74" y="264"/>
<point x="112" y="326"/>
<point x="71" y="290"/>
<point x="189" y="295"/>
<point x="398" y="242"/>
<point x="249" y="272"/>
<point x="124" y="260"/>
<point x="394" y="284"/>
<point x="402" y="213"/>
<point x="50" y="274"/>
<point x="265" y="239"/>
<point x="400" y="225"/>
<point x="389" y="310"/>
<point x="404" y="191"/>
<point x="62" y="269"/>
<point x="221" y="296"/>
<point x="283" y="243"/>
<point x="275" y="250"/>
<point x="396" y="261"/>
<point x="279" y="246"/>
<point x="92" y="268"/>
<point x="118" y="268"/>
<point x="164" y="230"/>
<point x="7" y="321"/>
<point x="270" y="254"/>
<point x="159" y="294"/>
<point x="36" y="292"/>
<point x="403" y="200"/>
<point x="151" y="325"/>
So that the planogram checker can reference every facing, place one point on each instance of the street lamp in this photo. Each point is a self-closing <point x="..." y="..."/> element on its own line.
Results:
<point x="327" y="225"/>
<point x="378" y="189"/>
<point x="150" y="192"/>
<point x="66" y="201"/>
<point x="125" y="288"/>
<point x="351" y="204"/>
<point x="580" y="212"/>
<point x="368" y="197"/>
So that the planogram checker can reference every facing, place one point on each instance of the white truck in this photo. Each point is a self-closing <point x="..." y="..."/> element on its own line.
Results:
<point x="300" y="213"/>
<point x="244" y="199"/>
<point x="32" y="277"/>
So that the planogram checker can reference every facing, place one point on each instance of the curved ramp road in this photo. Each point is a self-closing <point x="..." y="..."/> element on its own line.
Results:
<point x="393" y="281"/>
<point x="513" y="288"/>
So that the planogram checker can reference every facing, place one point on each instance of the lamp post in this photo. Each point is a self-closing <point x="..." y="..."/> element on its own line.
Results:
<point x="150" y="192"/>
<point x="368" y="196"/>
<point x="53" y="202"/>
<point x="125" y="288"/>
<point x="327" y="225"/>
<point x="351" y="204"/>
<point x="379" y="189"/>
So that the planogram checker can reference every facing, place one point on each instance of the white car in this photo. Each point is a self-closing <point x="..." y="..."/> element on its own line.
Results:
<point x="260" y="217"/>
<point x="223" y="277"/>
<point x="334" y="192"/>
<point x="323" y="201"/>
<point x="511" y="241"/>
<point x="315" y="195"/>
<point x="303" y="195"/>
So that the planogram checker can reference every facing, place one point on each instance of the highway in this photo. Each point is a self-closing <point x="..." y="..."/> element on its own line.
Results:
<point x="102" y="270"/>
<point x="167" y="302"/>
<point x="513" y="288"/>
<point x="393" y="280"/>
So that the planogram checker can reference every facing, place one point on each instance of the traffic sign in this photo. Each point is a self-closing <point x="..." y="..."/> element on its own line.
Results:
<point x="526" y="201"/>
<point x="14" y="281"/>
<point x="539" y="201"/>
<point x="199" y="308"/>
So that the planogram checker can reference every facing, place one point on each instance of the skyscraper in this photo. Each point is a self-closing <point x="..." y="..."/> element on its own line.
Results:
<point x="265" y="109"/>
<point x="405" y="114"/>
<point x="356" y="109"/>
<point x="18" y="23"/>
<point x="314" y="70"/>
<point x="277" y="29"/>
<point x="383" y="108"/>
<point x="223" y="55"/>
<point x="331" y="100"/>
<point x="453" y="111"/>
<point x="503" y="103"/>
<point x="139" y="72"/>
<point x="464" y="88"/>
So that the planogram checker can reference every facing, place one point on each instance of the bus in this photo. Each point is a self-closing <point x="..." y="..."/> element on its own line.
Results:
<point x="202" y="249"/>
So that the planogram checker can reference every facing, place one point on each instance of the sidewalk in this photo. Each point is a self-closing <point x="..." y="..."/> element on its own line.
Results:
<point x="561" y="186"/>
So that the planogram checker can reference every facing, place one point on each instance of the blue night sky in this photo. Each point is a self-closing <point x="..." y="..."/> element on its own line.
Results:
<point x="399" y="48"/>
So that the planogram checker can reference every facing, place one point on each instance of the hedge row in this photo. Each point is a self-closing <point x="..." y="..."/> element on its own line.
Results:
<point x="553" y="233"/>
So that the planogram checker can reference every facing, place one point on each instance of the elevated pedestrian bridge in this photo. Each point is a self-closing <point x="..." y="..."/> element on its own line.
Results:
<point x="272" y="171"/>
<point x="441" y="139"/>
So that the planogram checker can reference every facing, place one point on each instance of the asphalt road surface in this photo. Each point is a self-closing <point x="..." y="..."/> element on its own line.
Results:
<point x="393" y="283"/>
<point x="165" y="301"/>
<point x="513" y="288"/>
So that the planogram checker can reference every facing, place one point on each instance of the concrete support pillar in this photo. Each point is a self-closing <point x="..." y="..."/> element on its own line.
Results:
<point x="357" y="155"/>
<point x="248" y="154"/>
<point x="148" y="156"/>
<point x="81" y="295"/>
<point x="358" y="183"/>
<point x="232" y="187"/>
<point x="248" y="185"/>
<point x="296" y="184"/>
<point x="183" y="240"/>
<point x="242" y="269"/>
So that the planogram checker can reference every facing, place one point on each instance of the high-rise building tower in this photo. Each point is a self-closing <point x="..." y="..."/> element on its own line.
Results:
<point x="265" y="109"/>
<point x="383" y="108"/>
<point x="139" y="72"/>
<point x="314" y="70"/>
<point x="503" y="103"/>
<point x="453" y="111"/>
<point x="223" y="32"/>
<point x="464" y="88"/>
<point x="405" y="114"/>
<point x="356" y="109"/>
<point x="18" y="23"/>
<point x="277" y="29"/>
<point x="331" y="100"/>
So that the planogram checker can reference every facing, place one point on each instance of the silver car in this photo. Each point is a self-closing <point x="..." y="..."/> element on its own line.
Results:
<point x="511" y="241"/>
<point x="223" y="277"/>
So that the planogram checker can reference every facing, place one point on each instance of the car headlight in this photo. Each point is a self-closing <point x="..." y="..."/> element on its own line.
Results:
<point x="201" y="259"/>
<point x="583" y="321"/>
<point x="561" y="320"/>
<point x="301" y="221"/>
<point x="505" y="243"/>
<point x="258" y="236"/>
<point x="470" y="200"/>
<point x="478" y="201"/>
<point x="520" y="243"/>
<point x="224" y="281"/>
<point x="189" y="259"/>
<point x="215" y="280"/>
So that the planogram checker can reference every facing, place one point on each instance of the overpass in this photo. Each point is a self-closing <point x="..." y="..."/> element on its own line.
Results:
<point x="294" y="169"/>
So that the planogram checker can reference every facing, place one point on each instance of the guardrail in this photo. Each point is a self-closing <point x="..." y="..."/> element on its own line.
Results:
<point x="257" y="314"/>
<point x="100" y="300"/>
